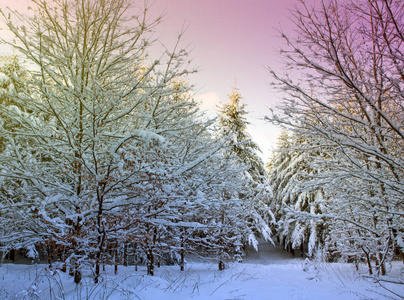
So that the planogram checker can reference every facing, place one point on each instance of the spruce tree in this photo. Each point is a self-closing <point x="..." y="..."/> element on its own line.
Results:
<point x="295" y="194"/>
<point x="256" y="193"/>
<point x="233" y="126"/>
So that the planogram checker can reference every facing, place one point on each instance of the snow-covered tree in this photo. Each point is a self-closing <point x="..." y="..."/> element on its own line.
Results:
<point x="111" y="155"/>
<point x="345" y="94"/>
<point x="233" y="126"/>
<point x="256" y="192"/>
<point x="294" y="193"/>
<point x="12" y="80"/>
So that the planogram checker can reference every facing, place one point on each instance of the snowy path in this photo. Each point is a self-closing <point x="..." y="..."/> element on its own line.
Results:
<point x="268" y="254"/>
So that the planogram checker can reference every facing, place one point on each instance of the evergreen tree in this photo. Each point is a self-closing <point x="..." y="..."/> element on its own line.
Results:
<point x="294" y="195"/>
<point x="256" y="192"/>
<point x="233" y="125"/>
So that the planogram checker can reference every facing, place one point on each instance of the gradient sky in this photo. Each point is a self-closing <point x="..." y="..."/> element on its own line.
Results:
<point x="231" y="41"/>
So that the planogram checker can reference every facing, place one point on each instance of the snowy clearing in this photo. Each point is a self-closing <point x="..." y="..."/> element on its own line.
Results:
<point x="265" y="275"/>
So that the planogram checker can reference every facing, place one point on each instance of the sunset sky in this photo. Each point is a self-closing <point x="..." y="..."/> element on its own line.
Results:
<point x="231" y="41"/>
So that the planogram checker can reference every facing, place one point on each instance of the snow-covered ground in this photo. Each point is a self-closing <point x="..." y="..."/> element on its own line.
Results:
<point x="269" y="274"/>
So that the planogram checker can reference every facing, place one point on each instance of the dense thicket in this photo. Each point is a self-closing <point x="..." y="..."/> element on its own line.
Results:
<point x="105" y="156"/>
<point x="344" y="107"/>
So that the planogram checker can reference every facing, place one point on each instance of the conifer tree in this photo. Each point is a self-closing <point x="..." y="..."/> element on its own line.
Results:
<point x="256" y="192"/>
<point x="233" y="125"/>
<point x="294" y="195"/>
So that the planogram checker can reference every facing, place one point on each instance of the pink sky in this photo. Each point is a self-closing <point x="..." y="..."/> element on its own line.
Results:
<point x="231" y="40"/>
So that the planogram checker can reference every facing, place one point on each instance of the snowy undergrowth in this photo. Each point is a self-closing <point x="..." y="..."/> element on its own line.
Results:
<point x="346" y="278"/>
<point x="293" y="279"/>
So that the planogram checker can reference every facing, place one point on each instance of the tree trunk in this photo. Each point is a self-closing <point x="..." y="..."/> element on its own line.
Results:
<point x="101" y="236"/>
<point x="77" y="275"/>
<point x="221" y="265"/>
<point x="62" y="257"/>
<point x="381" y="265"/>
<point x="368" y="262"/>
<point x="116" y="260"/>
<point x="97" y="271"/>
<point x="182" y="261"/>
<point x="125" y="254"/>
<point x="50" y="257"/>
<point x="150" y="261"/>
<point x="136" y="256"/>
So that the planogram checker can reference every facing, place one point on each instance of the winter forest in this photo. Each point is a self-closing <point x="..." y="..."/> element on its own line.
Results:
<point x="108" y="162"/>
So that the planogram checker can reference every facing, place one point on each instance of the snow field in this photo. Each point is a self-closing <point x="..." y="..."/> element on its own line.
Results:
<point x="287" y="279"/>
